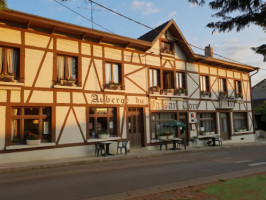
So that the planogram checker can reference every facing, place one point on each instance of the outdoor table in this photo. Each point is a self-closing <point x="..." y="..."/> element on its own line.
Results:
<point x="213" y="139"/>
<point x="107" y="147"/>
<point x="176" y="140"/>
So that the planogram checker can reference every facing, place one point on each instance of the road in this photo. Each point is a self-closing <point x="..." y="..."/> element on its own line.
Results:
<point x="110" y="177"/>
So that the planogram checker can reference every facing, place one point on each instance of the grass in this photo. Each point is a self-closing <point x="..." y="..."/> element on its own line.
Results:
<point x="246" y="188"/>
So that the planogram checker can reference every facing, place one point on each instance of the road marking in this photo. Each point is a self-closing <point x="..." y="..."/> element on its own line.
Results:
<point x="256" y="164"/>
<point x="242" y="161"/>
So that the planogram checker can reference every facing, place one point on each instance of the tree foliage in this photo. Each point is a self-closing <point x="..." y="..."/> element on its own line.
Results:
<point x="262" y="110"/>
<point x="237" y="14"/>
<point x="3" y="5"/>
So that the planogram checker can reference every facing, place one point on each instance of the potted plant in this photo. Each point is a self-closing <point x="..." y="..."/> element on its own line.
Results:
<point x="206" y="93"/>
<point x="169" y="90"/>
<point x="239" y="96"/>
<point x="223" y="94"/>
<point x="67" y="81"/>
<point x="162" y="136"/>
<point x="170" y="135"/>
<point x="7" y="77"/>
<point x="103" y="134"/>
<point x="155" y="89"/>
<point x="112" y="85"/>
<point x="33" y="139"/>
<point x="195" y="139"/>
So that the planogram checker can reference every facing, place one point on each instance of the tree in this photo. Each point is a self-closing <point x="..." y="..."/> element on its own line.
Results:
<point x="262" y="110"/>
<point x="237" y="14"/>
<point x="3" y="5"/>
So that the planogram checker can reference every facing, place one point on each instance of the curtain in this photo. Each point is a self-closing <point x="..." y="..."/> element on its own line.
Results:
<point x="10" y="67"/>
<point x="155" y="76"/>
<point x="151" y="75"/>
<point x="15" y="62"/>
<point x="116" y="73"/>
<point x="1" y="59"/>
<point x="69" y="68"/>
<point x="60" y="67"/>
<point x="108" y="74"/>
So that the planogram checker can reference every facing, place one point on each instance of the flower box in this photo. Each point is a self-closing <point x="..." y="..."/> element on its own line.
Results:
<point x="155" y="89"/>
<point x="33" y="142"/>
<point x="206" y="94"/>
<point x="162" y="137"/>
<point x="67" y="82"/>
<point x="113" y="87"/>
<point x="170" y="137"/>
<point x="7" y="78"/>
<point x="103" y="136"/>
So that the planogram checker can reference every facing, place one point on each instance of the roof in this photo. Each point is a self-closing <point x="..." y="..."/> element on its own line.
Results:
<point x="143" y="43"/>
<point x="259" y="83"/>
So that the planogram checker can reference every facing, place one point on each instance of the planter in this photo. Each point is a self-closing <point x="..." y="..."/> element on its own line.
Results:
<point x="196" y="140"/>
<point x="67" y="82"/>
<point x="7" y="78"/>
<point x="113" y="87"/>
<point x="154" y="89"/>
<point x="103" y="136"/>
<point x="33" y="142"/>
<point x="162" y="137"/>
<point x="170" y="137"/>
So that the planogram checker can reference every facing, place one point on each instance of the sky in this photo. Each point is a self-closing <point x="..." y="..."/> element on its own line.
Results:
<point x="190" y="19"/>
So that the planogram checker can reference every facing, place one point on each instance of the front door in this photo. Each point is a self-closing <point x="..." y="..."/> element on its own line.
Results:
<point x="225" y="126"/>
<point x="135" y="127"/>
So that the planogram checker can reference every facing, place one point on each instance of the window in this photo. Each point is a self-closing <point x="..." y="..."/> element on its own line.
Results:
<point x="166" y="47"/>
<point x="157" y="122"/>
<point x="223" y="85"/>
<point x="238" y="87"/>
<point x="240" y="122"/>
<point x="27" y="120"/>
<point x="180" y="80"/>
<point x="204" y="83"/>
<point x="102" y="119"/>
<point x="206" y="122"/>
<point x="168" y="80"/>
<point x="154" y="77"/>
<point x="9" y="63"/>
<point x="67" y="69"/>
<point x="112" y="73"/>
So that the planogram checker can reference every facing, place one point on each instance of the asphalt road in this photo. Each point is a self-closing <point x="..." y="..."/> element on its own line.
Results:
<point x="110" y="177"/>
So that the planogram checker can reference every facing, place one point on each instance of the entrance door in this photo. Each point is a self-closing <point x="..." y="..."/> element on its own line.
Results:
<point x="136" y="127"/>
<point x="225" y="126"/>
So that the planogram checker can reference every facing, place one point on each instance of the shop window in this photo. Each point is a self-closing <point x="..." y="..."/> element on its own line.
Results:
<point x="166" y="47"/>
<point x="102" y="119"/>
<point x="158" y="121"/>
<point x="27" y="120"/>
<point x="206" y="123"/>
<point x="240" y="122"/>
<point x="113" y="76"/>
<point x="9" y="64"/>
<point x="67" y="70"/>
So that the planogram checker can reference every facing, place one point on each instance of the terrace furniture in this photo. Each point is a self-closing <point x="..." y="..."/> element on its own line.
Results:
<point x="122" y="145"/>
<point x="99" y="148"/>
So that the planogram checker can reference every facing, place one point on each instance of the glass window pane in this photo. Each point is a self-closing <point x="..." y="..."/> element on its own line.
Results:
<point x="151" y="78"/>
<point x="46" y="111"/>
<point x="60" y="67"/>
<point x="108" y="74"/>
<point x="92" y="111"/>
<point x="15" y="137"/>
<point x="16" y="111"/>
<point x="74" y="68"/>
<point x="101" y="124"/>
<point x="46" y="128"/>
<point x="116" y="73"/>
<point x="31" y="126"/>
<point x="31" y="111"/>
<point x="92" y="127"/>
<point x="155" y="77"/>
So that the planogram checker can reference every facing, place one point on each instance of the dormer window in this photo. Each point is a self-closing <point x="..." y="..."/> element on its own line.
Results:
<point x="166" y="47"/>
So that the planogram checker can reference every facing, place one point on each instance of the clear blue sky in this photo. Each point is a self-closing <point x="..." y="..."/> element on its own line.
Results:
<point x="190" y="19"/>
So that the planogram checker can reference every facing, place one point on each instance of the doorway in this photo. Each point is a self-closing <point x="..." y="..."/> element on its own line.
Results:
<point x="135" y="127"/>
<point x="225" y="130"/>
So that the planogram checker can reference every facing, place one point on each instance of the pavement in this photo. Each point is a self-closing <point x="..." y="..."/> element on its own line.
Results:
<point x="133" y="154"/>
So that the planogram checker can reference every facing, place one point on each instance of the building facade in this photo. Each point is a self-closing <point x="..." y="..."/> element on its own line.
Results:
<point x="70" y="84"/>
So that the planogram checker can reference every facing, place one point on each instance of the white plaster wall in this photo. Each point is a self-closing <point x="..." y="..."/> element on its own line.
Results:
<point x="153" y="60"/>
<point x="97" y="51"/>
<point x="237" y="139"/>
<point x="136" y="58"/>
<point x="179" y="53"/>
<point x="132" y="88"/>
<point x="78" y="98"/>
<point x="89" y="98"/>
<point x="61" y="112"/>
<point x="81" y="116"/>
<point x="92" y="81"/>
<point x="139" y="78"/>
<point x="86" y="49"/>
<point x="192" y="79"/>
<point x="67" y="45"/>
<point x="85" y="64"/>
<point x="237" y="75"/>
<point x="128" y="68"/>
<point x="180" y="65"/>
<point x="214" y="86"/>
<point x="127" y="56"/>
<point x="213" y="71"/>
<point x="230" y="74"/>
<point x="99" y="68"/>
<point x="2" y="127"/>
<point x="3" y="95"/>
<point x="37" y="40"/>
<point x="32" y="62"/>
<point x="221" y="72"/>
<point x="46" y="74"/>
<point x="111" y="53"/>
<point x="204" y="69"/>
<point x="156" y="48"/>
<point x="124" y="133"/>
<point x="15" y="96"/>
<point x="231" y="86"/>
<point x="245" y="76"/>
<point x="202" y="105"/>
<point x="63" y="97"/>
<point x="148" y="137"/>
<point x="168" y="63"/>
<point x="210" y="106"/>
<point x="9" y="35"/>
<point x="42" y="97"/>
<point x="192" y="67"/>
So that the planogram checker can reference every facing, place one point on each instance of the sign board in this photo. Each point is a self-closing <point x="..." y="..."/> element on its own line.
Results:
<point x="192" y="117"/>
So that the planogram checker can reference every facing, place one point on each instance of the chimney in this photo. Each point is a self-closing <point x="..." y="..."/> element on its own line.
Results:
<point x="209" y="51"/>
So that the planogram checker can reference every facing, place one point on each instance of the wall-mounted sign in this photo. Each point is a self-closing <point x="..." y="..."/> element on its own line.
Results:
<point x="192" y="117"/>
<point x="116" y="99"/>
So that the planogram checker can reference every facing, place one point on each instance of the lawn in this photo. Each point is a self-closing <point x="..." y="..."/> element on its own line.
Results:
<point x="246" y="188"/>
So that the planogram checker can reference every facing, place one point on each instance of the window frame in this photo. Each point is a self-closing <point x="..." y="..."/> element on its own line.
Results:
<point x="171" y="44"/>
<point x="172" y="81"/>
<point x="245" y="119"/>
<point x="18" y="75"/>
<point x="151" y="79"/>
<point x="120" y="73"/>
<point x="238" y="86"/>
<point x="183" y="74"/>
<point x="40" y="116"/>
<point x="205" y="84"/>
<point x="214" y="120"/>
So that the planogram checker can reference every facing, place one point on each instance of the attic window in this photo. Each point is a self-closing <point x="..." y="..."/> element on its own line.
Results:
<point x="166" y="47"/>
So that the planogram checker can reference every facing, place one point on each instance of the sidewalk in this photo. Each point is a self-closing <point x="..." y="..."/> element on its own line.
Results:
<point x="11" y="167"/>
